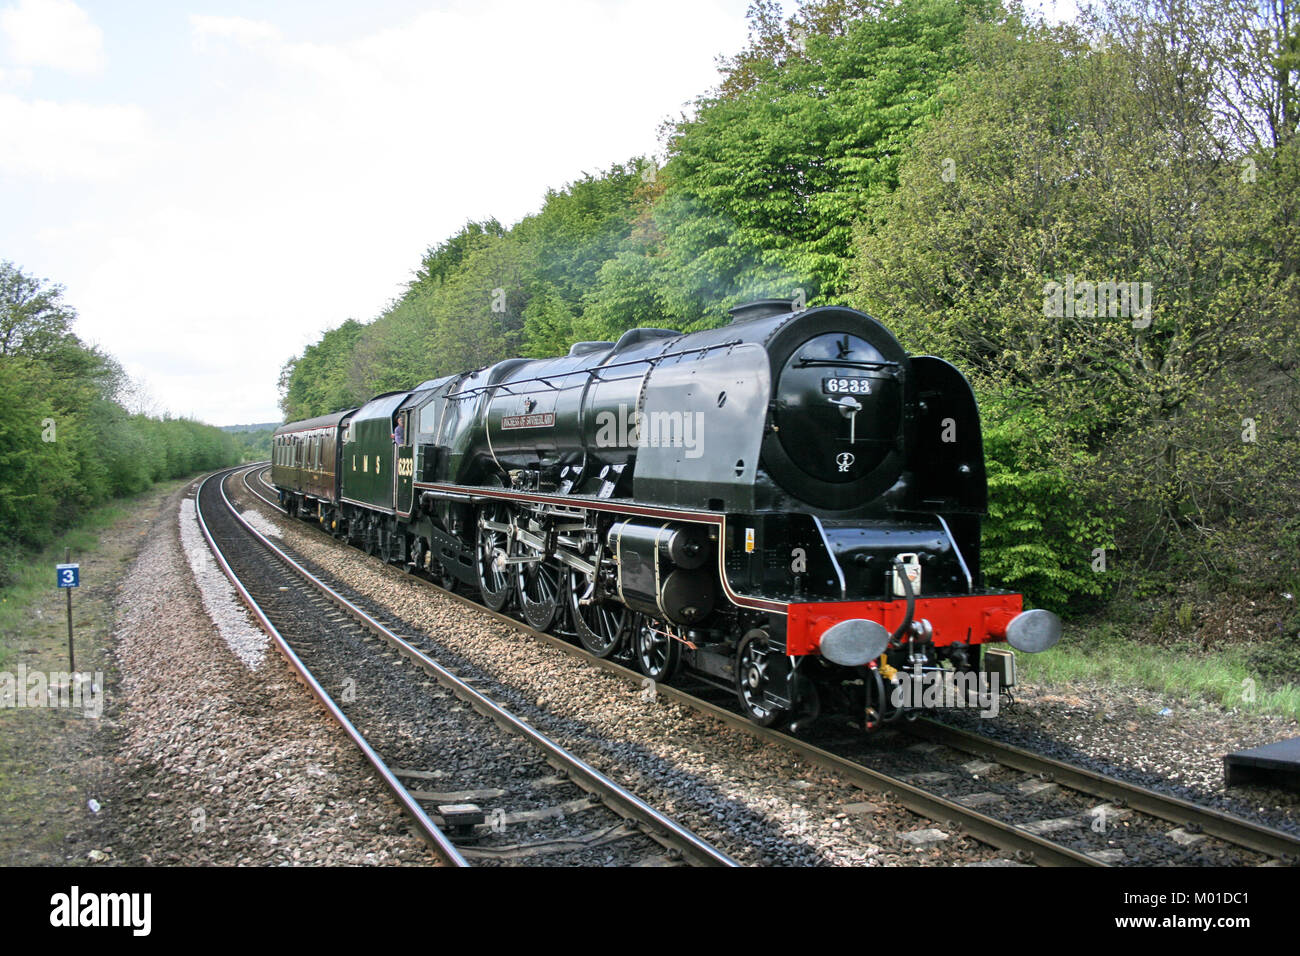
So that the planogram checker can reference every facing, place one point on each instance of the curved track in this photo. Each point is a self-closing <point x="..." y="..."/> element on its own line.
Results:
<point x="1049" y="818"/>
<point x="566" y="812"/>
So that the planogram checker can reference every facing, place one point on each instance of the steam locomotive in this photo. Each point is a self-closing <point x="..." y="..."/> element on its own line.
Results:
<point x="787" y="506"/>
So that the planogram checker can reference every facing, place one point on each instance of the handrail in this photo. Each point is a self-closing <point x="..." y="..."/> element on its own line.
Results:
<point x="592" y="372"/>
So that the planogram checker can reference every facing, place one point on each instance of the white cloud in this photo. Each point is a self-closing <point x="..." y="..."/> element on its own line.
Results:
<point x="241" y="29"/>
<point x="54" y="33"/>
<point x="77" y="141"/>
<point x="15" y="78"/>
<point x="283" y="185"/>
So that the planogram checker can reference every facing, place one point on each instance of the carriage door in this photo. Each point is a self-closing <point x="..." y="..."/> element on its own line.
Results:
<point x="404" y="472"/>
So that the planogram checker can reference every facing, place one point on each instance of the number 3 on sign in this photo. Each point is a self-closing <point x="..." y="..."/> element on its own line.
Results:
<point x="69" y="575"/>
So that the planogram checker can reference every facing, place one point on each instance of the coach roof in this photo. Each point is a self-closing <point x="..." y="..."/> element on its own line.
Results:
<point x="321" y="421"/>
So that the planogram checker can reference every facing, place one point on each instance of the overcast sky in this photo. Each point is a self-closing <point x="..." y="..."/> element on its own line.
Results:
<point x="217" y="183"/>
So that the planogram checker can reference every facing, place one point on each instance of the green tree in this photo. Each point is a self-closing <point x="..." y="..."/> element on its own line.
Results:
<point x="445" y="259"/>
<point x="1060" y="159"/>
<point x="782" y="164"/>
<point x="33" y="317"/>
<point x="320" y="380"/>
<point x="36" y="473"/>
<point x="66" y="442"/>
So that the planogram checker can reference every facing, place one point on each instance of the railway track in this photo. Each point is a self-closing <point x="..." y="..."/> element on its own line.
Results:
<point x="480" y="784"/>
<point x="1042" y="810"/>
<point x="1191" y="821"/>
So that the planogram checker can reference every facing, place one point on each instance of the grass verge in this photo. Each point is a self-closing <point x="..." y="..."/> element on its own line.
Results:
<point x="1103" y="654"/>
<point x="34" y="578"/>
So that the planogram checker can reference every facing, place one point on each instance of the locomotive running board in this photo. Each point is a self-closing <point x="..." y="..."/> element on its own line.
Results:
<point x="476" y="494"/>
<point x="714" y="518"/>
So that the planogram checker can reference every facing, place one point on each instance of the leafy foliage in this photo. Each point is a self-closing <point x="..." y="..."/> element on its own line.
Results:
<point x="317" y="382"/>
<point x="66" y="444"/>
<point x="789" y="163"/>
<point x="940" y="164"/>
<point x="1071" y="160"/>
<point x="758" y="197"/>
<point x="1045" y="534"/>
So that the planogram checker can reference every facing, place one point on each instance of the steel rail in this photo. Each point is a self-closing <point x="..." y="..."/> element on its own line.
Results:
<point x="626" y="804"/>
<point x="987" y="829"/>
<point x="1216" y="823"/>
<point x="428" y="829"/>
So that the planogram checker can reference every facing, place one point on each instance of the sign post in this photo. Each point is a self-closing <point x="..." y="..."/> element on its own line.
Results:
<point x="69" y="577"/>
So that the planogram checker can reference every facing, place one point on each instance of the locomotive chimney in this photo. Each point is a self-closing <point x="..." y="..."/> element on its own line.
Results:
<point x="760" y="309"/>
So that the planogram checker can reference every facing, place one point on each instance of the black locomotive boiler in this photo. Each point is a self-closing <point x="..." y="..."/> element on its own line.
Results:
<point x="788" y="505"/>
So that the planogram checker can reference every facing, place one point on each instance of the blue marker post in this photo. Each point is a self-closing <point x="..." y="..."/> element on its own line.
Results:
<point x="68" y="576"/>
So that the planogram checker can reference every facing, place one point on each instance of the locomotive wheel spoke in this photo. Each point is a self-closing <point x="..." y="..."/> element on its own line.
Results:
<point x="494" y="579"/>
<point x="601" y="626"/>
<point x="539" y="593"/>
<point x="657" y="654"/>
<point x="753" y="676"/>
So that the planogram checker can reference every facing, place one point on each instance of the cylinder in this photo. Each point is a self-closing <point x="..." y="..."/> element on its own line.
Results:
<point x="661" y="570"/>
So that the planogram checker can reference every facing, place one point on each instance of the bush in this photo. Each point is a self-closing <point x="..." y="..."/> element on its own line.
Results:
<point x="66" y="443"/>
<point x="1276" y="661"/>
<point x="1043" y="528"/>
<point x="35" y="474"/>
